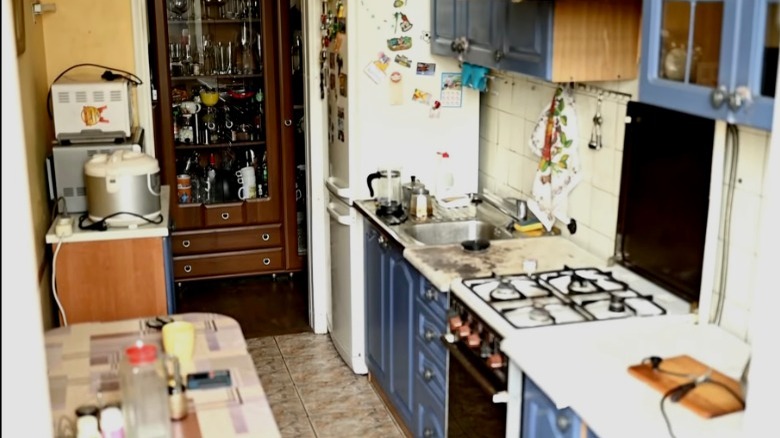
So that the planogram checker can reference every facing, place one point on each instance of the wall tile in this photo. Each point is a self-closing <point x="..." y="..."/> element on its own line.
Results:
<point x="500" y="89"/>
<point x="486" y="150"/>
<point x="504" y="130"/>
<point x="735" y="320"/>
<point x="518" y="141"/>
<point x="525" y="149"/>
<point x="745" y="213"/>
<point x="488" y="124"/>
<point x="603" y="214"/>
<point x="739" y="282"/>
<point x="603" y="169"/>
<point x="751" y="160"/>
<point x="515" y="170"/>
<point x="580" y="204"/>
<point x="602" y="246"/>
<point x="529" y="167"/>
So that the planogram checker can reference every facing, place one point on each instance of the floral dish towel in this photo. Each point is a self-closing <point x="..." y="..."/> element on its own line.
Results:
<point x="554" y="140"/>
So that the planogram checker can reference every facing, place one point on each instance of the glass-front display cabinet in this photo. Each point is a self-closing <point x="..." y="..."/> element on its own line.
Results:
<point x="224" y="128"/>
<point x="713" y="58"/>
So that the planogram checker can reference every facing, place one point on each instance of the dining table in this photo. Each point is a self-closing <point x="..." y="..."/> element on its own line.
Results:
<point x="83" y="362"/>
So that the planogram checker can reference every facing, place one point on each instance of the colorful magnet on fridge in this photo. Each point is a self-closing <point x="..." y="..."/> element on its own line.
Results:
<point x="426" y="68"/>
<point x="396" y="90"/>
<point x="426" y="36"/>
<point x="421" y="96"/>
<point x="403" y="60"/>
<point x="435" y="110"/>
<point x="406" y="25"/>
<point x="398" y="3"/>
<point x="400" y="43"/>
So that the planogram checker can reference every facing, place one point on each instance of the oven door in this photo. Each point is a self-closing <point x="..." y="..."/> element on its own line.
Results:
<point x="477" y="403"/>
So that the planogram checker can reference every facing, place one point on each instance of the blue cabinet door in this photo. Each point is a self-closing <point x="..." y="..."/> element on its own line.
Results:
<point x="542" y="419"/>
<point x="710" y="59"/>
<point x="403" y="278"/>
<point x="527" y="28"/>
<point x="473" y="20"/>
<point x="376" y="313"/>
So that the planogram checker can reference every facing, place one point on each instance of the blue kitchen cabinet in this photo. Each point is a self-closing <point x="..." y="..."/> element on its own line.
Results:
<point x="474" y="21"/>
<point x="555" y="41"/>
<point x="377" y="313"/>
<point x="542" y="419"/>
<point x="403" y="278"/>
<point x="716" y="59"/>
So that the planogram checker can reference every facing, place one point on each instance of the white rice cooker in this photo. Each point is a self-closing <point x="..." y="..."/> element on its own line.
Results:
<point x="123" y="188"/>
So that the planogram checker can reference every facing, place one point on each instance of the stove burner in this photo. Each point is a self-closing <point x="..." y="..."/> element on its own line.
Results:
<point x="580" y="284"/>
<point x="539" y="313"/>
<point x="617" y="304"/>
<point x="504" y="291"/>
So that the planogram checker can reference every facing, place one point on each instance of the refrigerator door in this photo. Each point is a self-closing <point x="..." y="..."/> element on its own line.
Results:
<point x="346" y="313"/>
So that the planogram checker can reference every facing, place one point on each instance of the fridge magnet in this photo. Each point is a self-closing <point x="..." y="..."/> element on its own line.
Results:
<point x="426" y="68"/>
<point x="435" y="110"/>
<point x="451" y="90"/>
<point x="332" y="60"/>
<point x="376" y="69"/>
<point x="399" y="43"/>
<point x="396" y="89"/>
<point x="398" y="3"/>
<point x="339" y="62"/>
<point x="426" y="36"/>
<point x="343" y="84"/>
<point x="340" y="37"/>
<point x="403" y="21"/>
<point x="403" y="60"/>
<point x="333" y="81"/>
<point x="421" y="96"/>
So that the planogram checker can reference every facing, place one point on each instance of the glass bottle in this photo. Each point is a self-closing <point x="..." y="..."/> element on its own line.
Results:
<point x="144" y="388"/>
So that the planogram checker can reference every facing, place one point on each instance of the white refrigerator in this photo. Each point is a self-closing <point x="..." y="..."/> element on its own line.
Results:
<point x="390" y="103"/>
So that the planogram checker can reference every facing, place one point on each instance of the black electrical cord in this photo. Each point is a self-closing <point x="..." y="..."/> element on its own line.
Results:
<point x="102" y="225"/>
<point x="108" y="75"/>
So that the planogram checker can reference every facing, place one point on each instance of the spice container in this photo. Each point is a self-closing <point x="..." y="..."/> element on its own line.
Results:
<point x="421" y="204"/>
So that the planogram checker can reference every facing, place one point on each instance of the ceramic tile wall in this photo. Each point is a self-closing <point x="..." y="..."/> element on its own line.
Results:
<point x="508" y="113"/>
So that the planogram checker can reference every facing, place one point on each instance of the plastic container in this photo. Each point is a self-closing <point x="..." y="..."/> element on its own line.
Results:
<point x="87" y="426"/>
<point x="444" y="177"/>
<point x="144" y="387"/>
<point x="111" y="423"/>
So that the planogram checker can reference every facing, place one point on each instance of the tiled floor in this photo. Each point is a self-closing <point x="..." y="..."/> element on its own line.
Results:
<point x="313" y="393"/>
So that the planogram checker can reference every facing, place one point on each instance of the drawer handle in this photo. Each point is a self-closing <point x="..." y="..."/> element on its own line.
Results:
<point x="266" y="261"/>
<point x="427" y="432"/>
<point x="266" y="237"/>
<point x="428" y="375"/>
<point x="430" y="294"/>
<point x="185" y="243"/>
<point x="188" y="268"/>
<point x="429" y="335"/>
<point x="225" y="216"/>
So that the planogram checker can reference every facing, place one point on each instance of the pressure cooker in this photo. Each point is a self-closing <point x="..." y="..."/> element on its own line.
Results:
<point x="122" y="188"/>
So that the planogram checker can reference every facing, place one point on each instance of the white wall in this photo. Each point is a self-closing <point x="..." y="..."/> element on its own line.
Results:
<point x="25" y="384"/>
<point x="507" y="166"/>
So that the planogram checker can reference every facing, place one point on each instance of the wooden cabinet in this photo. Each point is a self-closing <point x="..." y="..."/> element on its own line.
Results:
<point x="110" y="280"/>
<point x="715" y="59"/>
<point x="405" y="316"/>
<point x="560" y="41"/>
<point x="223" y="74"/>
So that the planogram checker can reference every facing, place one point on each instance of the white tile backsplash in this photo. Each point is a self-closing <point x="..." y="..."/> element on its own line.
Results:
<point x="507" y="165"/>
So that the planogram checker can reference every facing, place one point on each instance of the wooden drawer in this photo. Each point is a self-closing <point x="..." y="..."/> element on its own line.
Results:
<point x="226" y="239"/>
<point x="229" y="263"/>
<point x="224" y="214"/>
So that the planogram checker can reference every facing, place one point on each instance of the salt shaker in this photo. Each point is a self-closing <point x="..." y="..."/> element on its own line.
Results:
<point x="144" y="388"/>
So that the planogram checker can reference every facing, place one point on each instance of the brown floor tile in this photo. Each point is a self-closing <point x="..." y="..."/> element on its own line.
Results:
<point x="367" y="423"/>
<point x="306" y="344"/>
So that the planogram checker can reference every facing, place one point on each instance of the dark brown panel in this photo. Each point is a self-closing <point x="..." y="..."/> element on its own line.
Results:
<point x="226" y="239"/>
<point x="221" y="215"/>
<point x="257" y="261"/>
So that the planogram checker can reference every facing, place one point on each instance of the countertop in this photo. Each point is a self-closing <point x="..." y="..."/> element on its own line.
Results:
<point x="585" y="367"/>
<point x="115" y="233"/>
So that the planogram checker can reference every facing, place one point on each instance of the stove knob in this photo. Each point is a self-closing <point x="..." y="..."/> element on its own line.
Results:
<point x="455" y="323"/>
<point x="473" y="340"/>
<point x="495" y="360"/>
<point x="464" y="331"/>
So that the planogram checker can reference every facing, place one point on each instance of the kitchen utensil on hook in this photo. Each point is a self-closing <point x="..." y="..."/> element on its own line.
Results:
<point x="595" y="136"/>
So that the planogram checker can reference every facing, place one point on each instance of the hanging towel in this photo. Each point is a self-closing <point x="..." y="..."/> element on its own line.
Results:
<point x="474" y="76"/>
<point x="554" y="140"/>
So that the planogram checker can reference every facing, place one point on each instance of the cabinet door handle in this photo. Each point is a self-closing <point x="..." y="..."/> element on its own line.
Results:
<point x="427" y="432"/>
<point x="719" y="96"/>
<point x="188" y="268"/>
<point x="382" y="241"/>
<point x="429" y="335"/>
<point x="225" y="216"/>
<point x="739" y="97"/>
<point x="287" y="122"/>
<point x="428" y="375"/>
<point x="185" y="243"/>
<point x="266" y="261"/>
<point x="266" y="237"/>
<point x="562" y="422"/>
<point x="498" y="55"/>
<point x="430" y="294"/>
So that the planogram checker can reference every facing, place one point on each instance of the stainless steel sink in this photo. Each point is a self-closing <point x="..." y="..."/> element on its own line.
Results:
<point x="444" y="233"/>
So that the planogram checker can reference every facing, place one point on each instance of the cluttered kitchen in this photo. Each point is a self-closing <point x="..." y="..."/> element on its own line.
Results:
<point x="395" y="218"/>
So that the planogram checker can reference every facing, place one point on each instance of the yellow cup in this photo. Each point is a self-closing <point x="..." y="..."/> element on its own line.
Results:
<point x="179" y="339"/>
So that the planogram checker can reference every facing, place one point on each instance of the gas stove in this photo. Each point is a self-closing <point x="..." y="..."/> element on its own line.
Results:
<point x="563" y="296"/>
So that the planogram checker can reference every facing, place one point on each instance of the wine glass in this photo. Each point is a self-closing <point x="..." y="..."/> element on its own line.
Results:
<point x="179" y="8"/>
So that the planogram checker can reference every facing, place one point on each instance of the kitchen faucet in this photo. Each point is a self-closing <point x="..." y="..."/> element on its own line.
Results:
<point x="519" y="215"/>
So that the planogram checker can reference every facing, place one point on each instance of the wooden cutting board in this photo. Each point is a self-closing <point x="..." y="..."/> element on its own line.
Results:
<point x="707" y="400"/>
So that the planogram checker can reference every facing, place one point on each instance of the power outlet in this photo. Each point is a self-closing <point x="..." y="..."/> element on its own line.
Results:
<point x="64" y="226"/>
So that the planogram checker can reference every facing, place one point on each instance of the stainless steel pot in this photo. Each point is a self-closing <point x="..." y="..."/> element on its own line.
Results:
<point x="407" y="190"/>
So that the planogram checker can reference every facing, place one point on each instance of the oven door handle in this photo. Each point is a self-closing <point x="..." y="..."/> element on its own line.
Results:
<point x="498" y="395"/>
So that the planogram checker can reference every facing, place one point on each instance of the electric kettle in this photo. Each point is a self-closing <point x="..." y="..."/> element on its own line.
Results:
<point x="384" y="185"/>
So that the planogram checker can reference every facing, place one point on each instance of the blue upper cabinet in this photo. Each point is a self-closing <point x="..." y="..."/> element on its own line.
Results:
<point x="715" y="58"/>
<point x="560" y="41"/>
